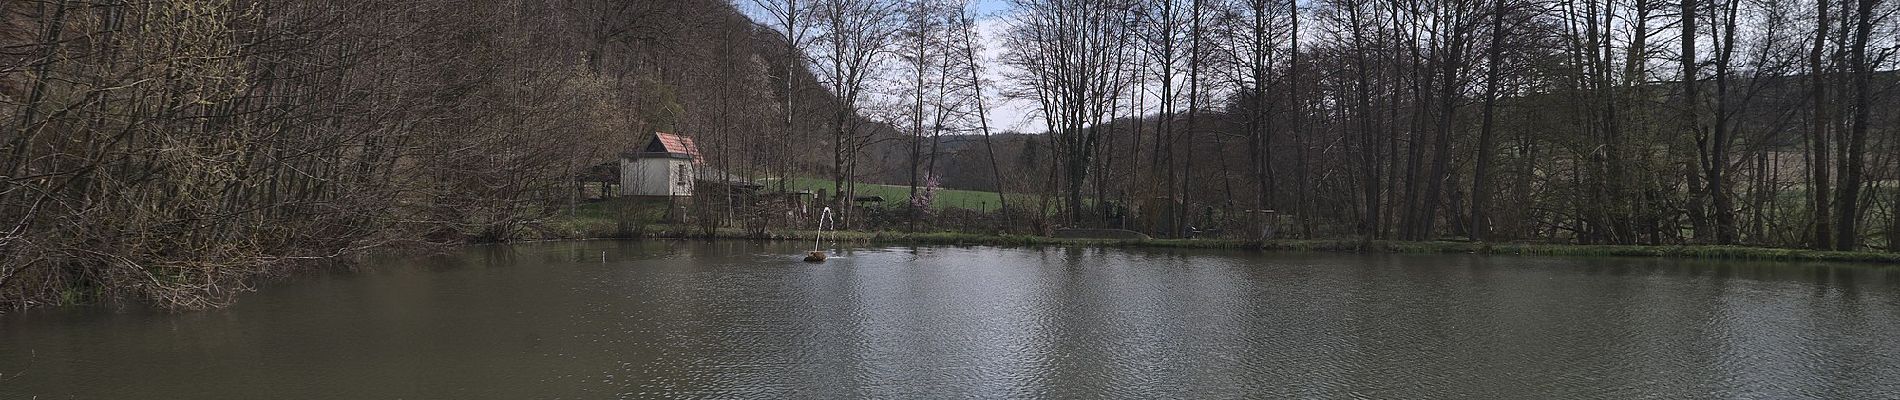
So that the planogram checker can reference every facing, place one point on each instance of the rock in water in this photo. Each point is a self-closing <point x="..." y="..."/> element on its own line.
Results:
<point x="815" y="256"/>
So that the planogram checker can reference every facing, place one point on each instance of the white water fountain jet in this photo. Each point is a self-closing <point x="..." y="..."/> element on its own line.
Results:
<point x="817" y="253"/>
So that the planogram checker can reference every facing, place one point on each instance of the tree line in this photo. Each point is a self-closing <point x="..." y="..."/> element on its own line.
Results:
<point x="173" y="151"/>
<point x="1588" y="121"/>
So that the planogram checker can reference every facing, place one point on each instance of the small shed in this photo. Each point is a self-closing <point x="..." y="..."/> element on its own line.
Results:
<point x="664" y="167"/>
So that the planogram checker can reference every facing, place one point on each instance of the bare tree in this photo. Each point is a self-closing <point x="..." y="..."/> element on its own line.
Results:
<point x="1068" y="53"/>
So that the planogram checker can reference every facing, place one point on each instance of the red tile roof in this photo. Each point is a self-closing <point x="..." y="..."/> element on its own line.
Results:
<point x="676" y="143"/>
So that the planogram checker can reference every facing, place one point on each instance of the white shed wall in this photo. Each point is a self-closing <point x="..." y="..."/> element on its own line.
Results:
<point x="656" y="177"/>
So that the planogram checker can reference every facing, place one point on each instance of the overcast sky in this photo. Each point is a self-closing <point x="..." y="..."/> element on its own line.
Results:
<point x="1005" y="114"/>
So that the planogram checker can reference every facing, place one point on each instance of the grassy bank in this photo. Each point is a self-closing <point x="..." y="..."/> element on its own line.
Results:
<point x="607" y="231"/>
<point x="897" y="194"/>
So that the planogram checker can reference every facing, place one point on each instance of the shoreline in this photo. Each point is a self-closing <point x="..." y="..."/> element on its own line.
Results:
<point x="1697" y="252"/>
<point x="1336" y="246"/>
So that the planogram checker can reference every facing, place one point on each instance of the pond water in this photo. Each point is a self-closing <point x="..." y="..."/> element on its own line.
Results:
<point x="738" y="319"/>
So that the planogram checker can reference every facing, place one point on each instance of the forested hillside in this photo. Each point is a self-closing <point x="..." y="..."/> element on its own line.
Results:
<point x="170" y="150"/>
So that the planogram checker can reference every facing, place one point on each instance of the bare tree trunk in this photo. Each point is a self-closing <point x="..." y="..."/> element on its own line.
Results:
<point x="1691" y="103"/>
<point x="1481" y="175"/>
<point x="1420" y="85"/>
<point x="1719" y="200"/>
<point x="983" y="118"/>
<point x="1369" y="225"/>
<point x="1452" y="59"/>
<point x="1296" y="115"/>
<point x="1847" y="234"/>
<point x="920" y="60"/>
<point x="1817" y="141"/>
<point x="1194" y="97"/>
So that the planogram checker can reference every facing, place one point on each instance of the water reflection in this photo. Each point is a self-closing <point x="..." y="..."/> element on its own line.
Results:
<point x="739" y="319"/>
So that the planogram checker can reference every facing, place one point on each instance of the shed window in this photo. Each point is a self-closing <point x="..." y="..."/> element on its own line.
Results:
<point x="682" y="176"/>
